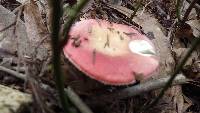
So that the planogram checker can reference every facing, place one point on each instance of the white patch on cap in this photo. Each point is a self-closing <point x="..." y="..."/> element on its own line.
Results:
<point x="109" y="42"/>
<point x="141" y="47"/>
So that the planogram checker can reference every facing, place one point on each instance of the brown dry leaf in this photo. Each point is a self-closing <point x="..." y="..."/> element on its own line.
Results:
<point x="36" y="30"/>
<point x="187" y="102"/>
<point x="189" y="32"/>
<point x="195" y="67"/>
<point x="33" y="22"/>
<point x="172" y="99"/>
<point x="88" y="6"/>
<point x="182" y="39"/>
<point x="195" y="25"/>
<point x="179" y="53"/>
<point x="22" y="1"/>
<point x="155" y="31"/>
<point x="125" y="11"/>
<point x="8" y="39"/>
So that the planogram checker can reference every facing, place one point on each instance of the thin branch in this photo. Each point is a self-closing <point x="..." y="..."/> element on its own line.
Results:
<point x="121" y="94"/>
<point x="55" y="24"/>
<point x="19" y="7"/>
<point x="72" y="16"/>
<point x="14" y="73"/>
<point x="195" y="43"/>
<point x="196" y="5"/>
<point x="44" y="67"/>
<point x="192" y="5"/>
<point x="136" y="9"/>
<point x="145" y="7"/>
<point x="9" y="26"/>
<point x="139" y="89"/>
<point x="178" y="9"/>
<point x="38" y="97"/>
<point x="19" y="13"/>
<point x="74" y="98"/>
<point x="149" y="86"/>
<point x="77" y="101"/>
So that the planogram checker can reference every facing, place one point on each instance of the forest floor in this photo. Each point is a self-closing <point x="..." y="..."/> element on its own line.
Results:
<point x="184" y="98"/>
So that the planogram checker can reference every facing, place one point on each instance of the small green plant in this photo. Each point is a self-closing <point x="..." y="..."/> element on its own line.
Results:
<point x="57" y="43"/>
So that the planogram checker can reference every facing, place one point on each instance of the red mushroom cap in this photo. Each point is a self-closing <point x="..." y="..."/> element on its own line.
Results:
<point x="111" y="53"/>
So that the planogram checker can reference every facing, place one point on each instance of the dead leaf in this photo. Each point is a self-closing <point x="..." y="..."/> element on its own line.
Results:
<point x="33" y="22"/>
<point x="172" y="98"/>
<point x="36" y="30"/>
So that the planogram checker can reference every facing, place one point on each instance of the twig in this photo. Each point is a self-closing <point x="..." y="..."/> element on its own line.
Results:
<point x="14" y="73"/>
<point x="9" y="26"/>
<point x="19" y="13"/>
<point x="140" y="88"/>
<point x="192" y="4"/>
<point x="31" y="73"/>
<point x="44" y="67"/>
<point x="196" y="5"/>
<point x="19" y="7"/>
<point x="36" y="94"/>
<point x="136" y="9"/>
<point x="127" y="92"/>
<point x="150" y="85"/>
<point x="72" y="16"/>
<point x="77" y="101"/>
<point x="57" y="44"/>
<point x="174" y="74"/>
<point x="145" y="7"/>
<point x="55" y="24"/>
<point x="178" y="9"/>
<point x="36" y="48"/>
<point x="17" y="19"/>
<point x="122" y="94"/>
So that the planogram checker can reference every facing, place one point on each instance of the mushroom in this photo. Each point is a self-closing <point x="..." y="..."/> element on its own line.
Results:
<point x="111" y="53"/>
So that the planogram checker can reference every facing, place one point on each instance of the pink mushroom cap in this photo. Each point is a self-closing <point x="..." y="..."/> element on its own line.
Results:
<point x="111" y="53"/>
